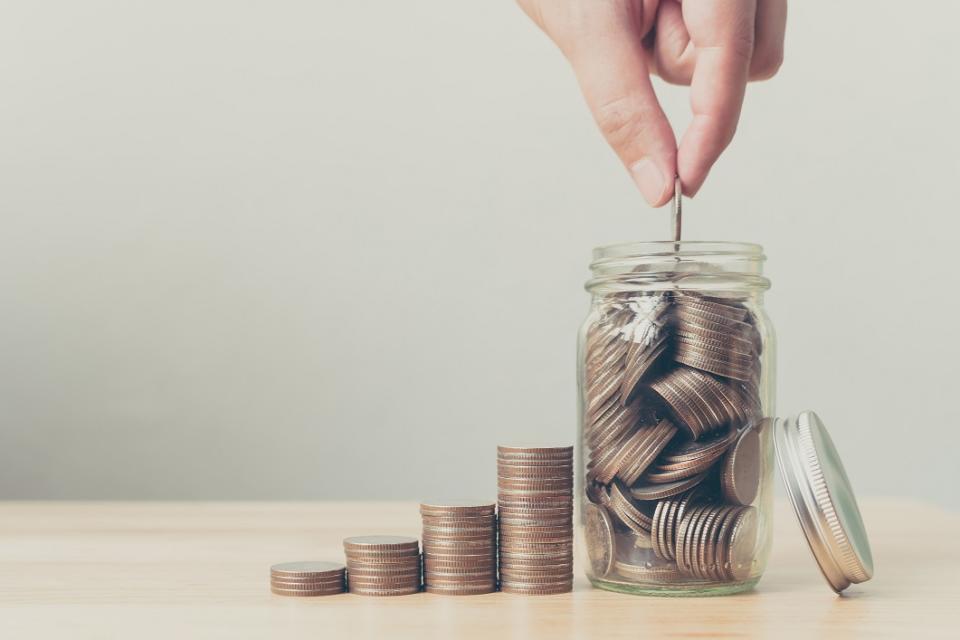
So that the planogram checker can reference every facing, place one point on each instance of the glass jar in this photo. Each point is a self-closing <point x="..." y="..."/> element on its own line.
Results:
<point x="676" y="376"/>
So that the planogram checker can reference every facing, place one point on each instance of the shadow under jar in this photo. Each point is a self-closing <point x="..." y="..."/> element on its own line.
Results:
<point x="676" y="377"/>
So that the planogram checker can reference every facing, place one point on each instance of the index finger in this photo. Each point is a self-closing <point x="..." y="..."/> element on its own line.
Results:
<point x="722" y="32"/>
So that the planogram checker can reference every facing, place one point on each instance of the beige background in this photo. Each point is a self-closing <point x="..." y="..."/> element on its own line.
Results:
<point x="336" y="249"/>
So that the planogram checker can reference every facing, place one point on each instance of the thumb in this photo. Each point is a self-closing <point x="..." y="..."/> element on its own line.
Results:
<point x="612" y="70"/>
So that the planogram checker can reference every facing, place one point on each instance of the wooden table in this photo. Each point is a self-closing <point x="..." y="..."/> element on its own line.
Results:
<point x="187" y="570"/>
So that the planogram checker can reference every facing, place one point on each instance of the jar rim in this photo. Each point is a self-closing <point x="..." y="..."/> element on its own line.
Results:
<point x="650" y="248"/>
<point x="668" y="265"/>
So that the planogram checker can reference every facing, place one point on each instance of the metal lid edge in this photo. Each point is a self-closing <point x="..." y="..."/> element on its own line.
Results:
<point x="792" y="474"/>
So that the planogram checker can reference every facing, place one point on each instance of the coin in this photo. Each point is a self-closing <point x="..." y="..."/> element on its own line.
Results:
<point x="636" y="463"/>
<point x="699" y="543"/>
<point x="717" y="549"/>
<point x="460" y="590"/>
<point x="296" y="593"/>
<point x="457" y="508"/>
<point x="386" y="592"/>
<point x="307" y="569"/>
<point x="380" y="543"/>
<point x="627" y="510"/>
<point x="740" y="476"/>
<point x="599" y="532"/>
<point x="692" y="450"/>
<point x="639" y="361"/>
<point x="740" y="550"/>
<point x="539" y="590"/>
<point x="649" y="572"/>
<point x="333" y="586"/>
<point x="648" y="492"/>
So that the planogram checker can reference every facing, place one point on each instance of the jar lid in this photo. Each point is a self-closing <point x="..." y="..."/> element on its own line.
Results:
<point x="823" y="499"/>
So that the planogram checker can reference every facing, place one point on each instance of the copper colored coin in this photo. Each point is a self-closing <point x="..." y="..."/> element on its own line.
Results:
<point x="450" y="534"/>
<point x="535" y="452"/>
<point x="533" y="579"/>
<point x="462" y="576"/>
<point x="404" y="578"/>
<point x="659" y="491"/>
<point x="534" y="502"/>
<point x="304" y="594"/>
<point x="538" y="590"/>
<point x="628" y="511"/>
<point x="546" y="561"/>
<point x="635" y="464"/>
<point x="685" y="530"/>
<point x="709" y="446"/>
<point x="638" y="364"/>
<point x="382" y="593"/>
<point x="535" y="517"/>
<point x="458" y="508"/>
<point x="380" y="543"/>
<point x="468" y="583"/>
<point x="460" y="590"/>
<point x="376" y="572"/>
<point x="455" y="552"/>
<point x="528" y="550"/>
<point x="308" y="586"/>
<point x="307" y="569"/>
<point x="385" y="564"/>
<point x="717" y="549"/>
<point x="699" y="542"/>
<point x="740" y="477"/>
<point x="535" y="484"/>
<point x="691" y="546"/>
<point x="459" y="561"/>
<point x="539" y="564"/>
<point x="654" y="573"/>
<point x="742" y="545"/>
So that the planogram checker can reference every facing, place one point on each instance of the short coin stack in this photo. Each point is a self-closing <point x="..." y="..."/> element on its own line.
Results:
<point x="459" y="547"/>
<point x="535" y="496"/>
<point x="305" y="579"/>
<point x="382" y="565"/>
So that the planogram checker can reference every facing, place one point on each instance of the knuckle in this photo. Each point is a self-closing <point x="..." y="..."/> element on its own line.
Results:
<point x="620" y="121"/>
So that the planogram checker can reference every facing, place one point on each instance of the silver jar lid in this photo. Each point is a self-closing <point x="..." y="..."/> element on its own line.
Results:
<point x="823" y="499"/>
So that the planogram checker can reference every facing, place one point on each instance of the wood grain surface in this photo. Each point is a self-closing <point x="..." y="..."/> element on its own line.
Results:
<point x="200" y="570"/>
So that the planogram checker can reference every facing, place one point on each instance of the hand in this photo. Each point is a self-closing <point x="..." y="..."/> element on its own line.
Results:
<point x="714" y="46"/>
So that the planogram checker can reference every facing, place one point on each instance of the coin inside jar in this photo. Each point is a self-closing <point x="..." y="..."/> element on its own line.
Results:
<point x="599" y="539"/>
<point x="740" y="477"/>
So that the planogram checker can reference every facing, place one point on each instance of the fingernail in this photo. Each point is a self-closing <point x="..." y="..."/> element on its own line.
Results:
<point x="649" y="179"/>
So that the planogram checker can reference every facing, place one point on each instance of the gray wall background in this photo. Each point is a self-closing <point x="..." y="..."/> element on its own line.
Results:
<point x="336" y="249"/>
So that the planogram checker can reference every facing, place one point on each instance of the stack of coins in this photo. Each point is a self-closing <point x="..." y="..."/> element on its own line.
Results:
<point x="382" y="565"/>
<point x="459" y="547"/>
<point x="535" y="489"/>
<point x="673" y="438"/>
<point x="716" y="542"/>
<point x="304" y="579"/>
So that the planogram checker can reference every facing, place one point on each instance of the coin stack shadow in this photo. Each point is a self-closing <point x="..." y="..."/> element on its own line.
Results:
<point x="459" y="547"/>
<point x="672" y="418"/>
<point x="305" y="579"/>
<point x="382" y="565"/>
<point x="535" y="512"/>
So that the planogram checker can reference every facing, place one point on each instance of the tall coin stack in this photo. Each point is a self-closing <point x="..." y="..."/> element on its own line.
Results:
<point x="535" y="502"/>
<point x="382" y="565"/>
<point x="459" y="547"/>
<point x="305" y="579"/>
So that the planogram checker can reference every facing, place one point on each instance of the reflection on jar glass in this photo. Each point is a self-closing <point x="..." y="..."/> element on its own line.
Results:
<point x="676" y="377"/>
